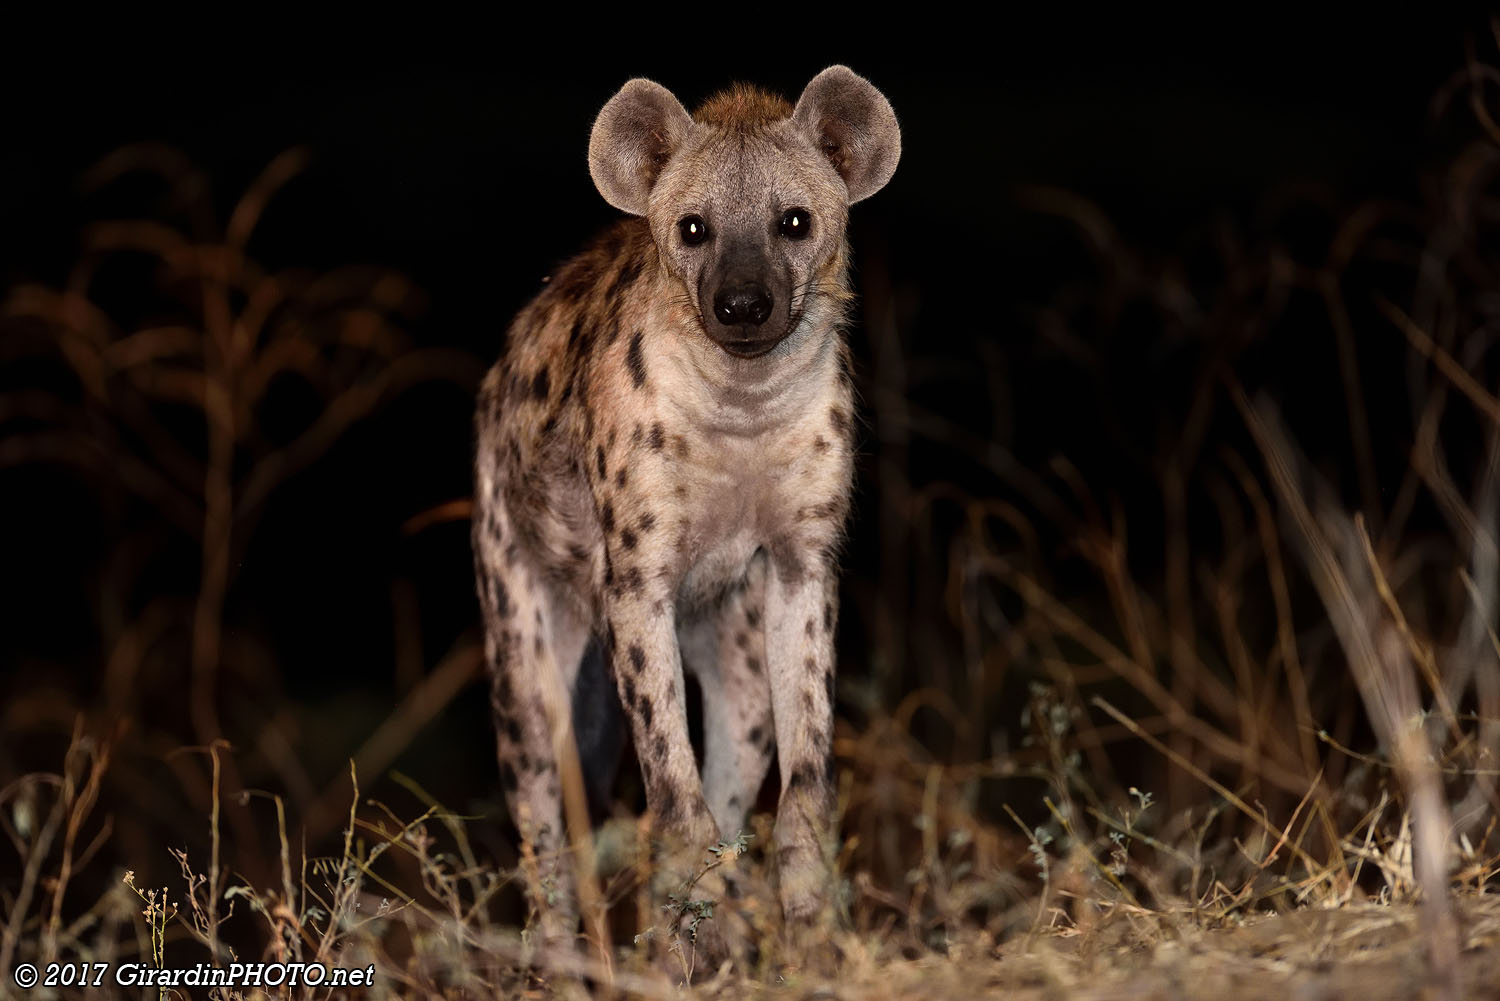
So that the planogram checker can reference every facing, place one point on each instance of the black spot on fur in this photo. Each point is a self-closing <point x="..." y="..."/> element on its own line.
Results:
<point x="607" y="516"/>
<point x="753" y="663"/>
<point x="741" y="640"/>
<point x="646" y="710"/>
<point x="828" y="616"/>
<point x="667" y="811"/>
<point x="635" y="361"/>
<point x="757" y="735"/>
<point x="787" y="558"/>
<point x="577" y="336"/>
<point x="839" y="419"/>
<point x="620" y="478"/>
<point x="810" y="663"/>
<point x="820" y="443"/>
<point x="541" y="383"/>
<point x="632" y="580"/>
<point x="804" y="776"/>
<point x="811" y="628"/>
<point x="637" y="657"/>
<point x="628" y="273"/>
<point x="599" y="461"/>
<point x="636" y="434"/>
<point x="647" y="522"/>
<point x="627" y="538"/>
<point x="658" y="437"/>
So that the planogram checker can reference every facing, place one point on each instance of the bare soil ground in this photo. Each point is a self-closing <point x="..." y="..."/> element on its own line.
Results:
<point x="1372" y="952"/>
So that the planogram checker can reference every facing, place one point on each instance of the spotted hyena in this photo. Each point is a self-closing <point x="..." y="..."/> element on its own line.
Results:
<point x="664" y="468"/>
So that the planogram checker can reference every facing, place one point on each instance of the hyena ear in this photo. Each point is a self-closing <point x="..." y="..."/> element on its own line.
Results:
<point x="633" y="137"/>
<point x="854" y="126"/>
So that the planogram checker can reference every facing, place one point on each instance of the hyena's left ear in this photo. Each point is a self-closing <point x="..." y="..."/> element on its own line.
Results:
<point x="854" y="125"/>
<point x="634" y="136"/>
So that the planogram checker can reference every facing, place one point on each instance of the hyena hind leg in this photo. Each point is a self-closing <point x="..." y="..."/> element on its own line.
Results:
<point x="533" y="646"/>
<point x="726" y="651"/>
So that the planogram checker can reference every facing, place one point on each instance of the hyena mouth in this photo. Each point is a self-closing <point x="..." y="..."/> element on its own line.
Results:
<point x="750" y="341"/>
<point x="747" y="345"/>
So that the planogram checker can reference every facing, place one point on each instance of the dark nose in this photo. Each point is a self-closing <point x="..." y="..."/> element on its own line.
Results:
<point x="747" y="303"/>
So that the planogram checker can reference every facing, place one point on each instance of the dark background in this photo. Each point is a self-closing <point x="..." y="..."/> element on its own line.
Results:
<point x="454" y="154"/>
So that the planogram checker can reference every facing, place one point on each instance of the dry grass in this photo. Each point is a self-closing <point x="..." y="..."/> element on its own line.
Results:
<point x="1265" y="767"/>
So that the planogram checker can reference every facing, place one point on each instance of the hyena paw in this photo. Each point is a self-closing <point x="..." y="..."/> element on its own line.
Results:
<point x="805" y="886"/>
<point x="702" y="924"/>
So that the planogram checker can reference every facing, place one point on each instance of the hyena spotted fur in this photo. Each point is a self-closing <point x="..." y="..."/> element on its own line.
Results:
<point x="664" y="468"/>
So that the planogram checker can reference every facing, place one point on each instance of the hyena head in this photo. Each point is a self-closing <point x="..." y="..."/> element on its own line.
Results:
<point x="748" y="200"/>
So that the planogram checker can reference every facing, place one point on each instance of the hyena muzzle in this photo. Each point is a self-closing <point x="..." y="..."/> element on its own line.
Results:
<point x="663" y="471"/>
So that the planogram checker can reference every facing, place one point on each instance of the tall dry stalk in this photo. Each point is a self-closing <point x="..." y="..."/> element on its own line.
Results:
<point x="167" y="411"/>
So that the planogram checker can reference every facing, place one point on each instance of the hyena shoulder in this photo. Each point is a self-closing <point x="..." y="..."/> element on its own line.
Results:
<point x="537" y="408"/>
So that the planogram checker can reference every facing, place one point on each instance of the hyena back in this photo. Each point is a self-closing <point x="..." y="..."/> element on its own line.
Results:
<point x="664" y="466"/>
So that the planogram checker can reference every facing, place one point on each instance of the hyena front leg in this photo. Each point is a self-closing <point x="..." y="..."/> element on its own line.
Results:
<point x="726" y="650"/>
<point x="800" y="610"/>
<point x="641" y="641"/>
<point x="532" y="647"/>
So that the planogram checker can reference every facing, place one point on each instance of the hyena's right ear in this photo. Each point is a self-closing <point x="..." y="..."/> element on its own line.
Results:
<point x="633" y="137"/>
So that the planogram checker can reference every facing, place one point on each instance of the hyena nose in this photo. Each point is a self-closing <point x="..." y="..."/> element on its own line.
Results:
<point x="747" y="303"/>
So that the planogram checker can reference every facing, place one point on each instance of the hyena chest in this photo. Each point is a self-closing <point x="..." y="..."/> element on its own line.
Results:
<point x="733" y="510"/>
<point x="719" y="561"/>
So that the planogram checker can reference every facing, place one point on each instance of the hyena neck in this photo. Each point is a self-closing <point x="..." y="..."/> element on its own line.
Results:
<point x="719" y="393"/>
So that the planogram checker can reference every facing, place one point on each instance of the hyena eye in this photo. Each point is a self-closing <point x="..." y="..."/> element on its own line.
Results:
<point x="796" y="224"/>
<point x="693" y="229"/>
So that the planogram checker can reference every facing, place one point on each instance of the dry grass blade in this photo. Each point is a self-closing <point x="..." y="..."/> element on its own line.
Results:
<point x="1331" y="546"/>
